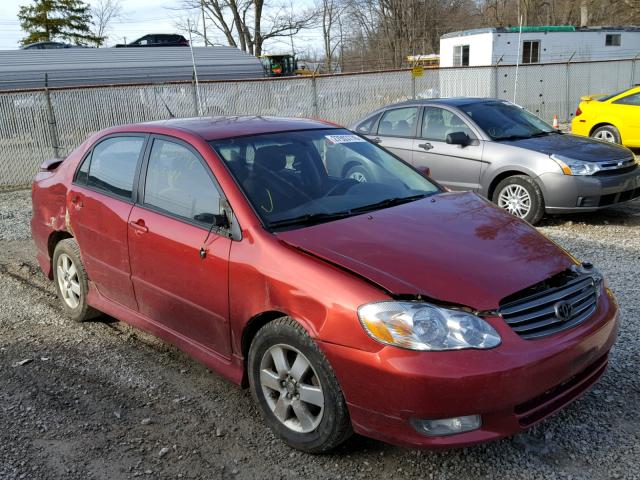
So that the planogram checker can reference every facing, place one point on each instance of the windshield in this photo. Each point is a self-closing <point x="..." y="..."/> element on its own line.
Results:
<point x="506" y="121"/>
<point x="300" y="178"/>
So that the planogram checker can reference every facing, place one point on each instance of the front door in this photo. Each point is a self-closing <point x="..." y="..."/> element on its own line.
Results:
<point x="454" y="166"/>
<point x="627" y="110"/>
<point x="175" y="286"/>
<point x="99" y="202"/>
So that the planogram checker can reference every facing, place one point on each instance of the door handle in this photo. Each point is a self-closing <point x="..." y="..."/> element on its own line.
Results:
<point x="425" y="146"/>
<point x="139" y="226"/>
<point x="376" y="140"/>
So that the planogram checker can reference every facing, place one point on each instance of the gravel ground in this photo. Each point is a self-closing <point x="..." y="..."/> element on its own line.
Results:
<point x="102" y="400"/>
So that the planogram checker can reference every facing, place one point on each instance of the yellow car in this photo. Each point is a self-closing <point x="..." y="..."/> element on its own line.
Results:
<point x="612" y="118"/>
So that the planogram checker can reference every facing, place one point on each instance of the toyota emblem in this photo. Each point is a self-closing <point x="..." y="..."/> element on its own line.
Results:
<point x="564" y="310"/>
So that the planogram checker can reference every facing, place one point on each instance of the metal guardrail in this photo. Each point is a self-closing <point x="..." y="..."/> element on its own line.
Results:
<point x="38" y="124"/>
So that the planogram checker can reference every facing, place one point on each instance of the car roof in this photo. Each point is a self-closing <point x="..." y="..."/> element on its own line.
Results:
<point x="215" y="128"/>
<point x="452" y="102"/>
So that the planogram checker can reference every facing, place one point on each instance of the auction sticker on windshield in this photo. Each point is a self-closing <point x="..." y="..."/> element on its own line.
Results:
<point x="344" y="138"/>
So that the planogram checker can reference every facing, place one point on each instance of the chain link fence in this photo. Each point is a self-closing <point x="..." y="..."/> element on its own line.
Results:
<point x="36" y="125"/>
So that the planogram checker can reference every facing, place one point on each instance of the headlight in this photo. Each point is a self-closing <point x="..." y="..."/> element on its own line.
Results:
<point x="586" y="268"/>
<point x="571" y="166"/>
<point x="422" y="326"/>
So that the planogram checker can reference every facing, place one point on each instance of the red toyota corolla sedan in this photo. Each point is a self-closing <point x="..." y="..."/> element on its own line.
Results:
<point x="390" y="307"/>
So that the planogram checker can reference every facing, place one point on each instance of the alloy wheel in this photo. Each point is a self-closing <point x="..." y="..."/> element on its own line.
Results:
<point x="515" y="199"/>
<point x="605" y="135"/>
<point x="358" y="177"/>
<point x="68" y="280"/>
<point x="291" y="388"/>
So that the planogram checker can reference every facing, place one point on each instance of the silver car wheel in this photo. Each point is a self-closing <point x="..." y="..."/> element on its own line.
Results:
<point x="515" y="199"/>
<point x="291" y="388"/>
<point x="68" y="280"/>
<point x="605" y="135"/>
<point x="358" y="177"/>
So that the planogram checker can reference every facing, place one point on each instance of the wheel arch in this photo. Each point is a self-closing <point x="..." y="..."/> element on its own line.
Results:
<point x="250" y="330"/>
<point x="602" y="124"/>
<point x="501" y="176"/>
<point x="55" y="237"/>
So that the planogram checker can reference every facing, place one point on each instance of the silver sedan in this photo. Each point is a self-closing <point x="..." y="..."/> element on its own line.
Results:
<point x="504" y="153"/>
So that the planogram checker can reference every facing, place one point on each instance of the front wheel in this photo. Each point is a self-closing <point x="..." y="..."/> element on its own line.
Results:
<point x="521" y="196"/>
<point x="296" y="389"/>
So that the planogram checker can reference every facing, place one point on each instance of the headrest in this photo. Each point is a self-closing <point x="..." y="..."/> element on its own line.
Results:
<point x="456" y="122"/>
<point x="272" y="157"/>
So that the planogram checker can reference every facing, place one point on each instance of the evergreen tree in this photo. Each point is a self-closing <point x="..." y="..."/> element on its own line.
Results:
<point x="49" y="20"/>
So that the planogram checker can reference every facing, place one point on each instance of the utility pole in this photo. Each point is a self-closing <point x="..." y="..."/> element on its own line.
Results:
<point x="204" y="23"/>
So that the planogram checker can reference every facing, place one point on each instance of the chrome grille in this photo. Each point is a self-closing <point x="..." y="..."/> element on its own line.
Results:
<point x="536" y="315"/>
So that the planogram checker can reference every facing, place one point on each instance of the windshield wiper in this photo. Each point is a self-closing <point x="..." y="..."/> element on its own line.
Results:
<point x="309" y="219"/>
<point x="514" y="137"/>
<point x="390" y="202"/>
<point x="544" y="133"/>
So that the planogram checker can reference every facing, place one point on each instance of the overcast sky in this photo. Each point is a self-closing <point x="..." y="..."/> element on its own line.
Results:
<point x="142" y="17"/>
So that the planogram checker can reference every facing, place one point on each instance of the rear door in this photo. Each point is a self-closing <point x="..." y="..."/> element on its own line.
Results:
<point x="99" y="202"/>
<point x="396" y="130"/>
<point x="175" y="286"/>
<point x="454" y="166"/>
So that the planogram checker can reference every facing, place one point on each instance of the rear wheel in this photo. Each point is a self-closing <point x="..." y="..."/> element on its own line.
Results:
<point x="296" y="389"/>
<point x="71" y="282"/>
<point x="607" y="133"/>
<point x="521" y="196"/>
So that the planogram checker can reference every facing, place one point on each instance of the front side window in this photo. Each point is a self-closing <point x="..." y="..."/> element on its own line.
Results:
<point x="366" y="126"/>
<point x="613" y="40"/>
<point x="178" y="183"/>
<point x="398" y="122"/>
<point x="437" y="123"/>
<point x="531" y="51"/>
<point x="113" y="165"/>
<point x="285" y="176"/>
<point x="506" y="121"/>
<point x="629" y="99"/>
<point x="461" y="56"/>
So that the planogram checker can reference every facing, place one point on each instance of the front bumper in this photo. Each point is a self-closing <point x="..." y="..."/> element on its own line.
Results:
<point x="512" y="386"/>
<point x="567" y="193"/>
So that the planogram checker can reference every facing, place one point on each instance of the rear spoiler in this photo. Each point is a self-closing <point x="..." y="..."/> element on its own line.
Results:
<point x="588" y="98"/>
<point x="51" y="164"/>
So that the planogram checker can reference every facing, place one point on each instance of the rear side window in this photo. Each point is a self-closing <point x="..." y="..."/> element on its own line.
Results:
<point x="178" y="183"/>
<point x="398" y="122"/>
<point x="113" y="165"/>
<point x="629" y="99"/>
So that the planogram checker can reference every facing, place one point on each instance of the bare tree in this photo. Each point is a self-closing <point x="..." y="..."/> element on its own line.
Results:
<point x="104" y="13"/>
<point x="247" y="24"/>
<point x="331" y="13"/>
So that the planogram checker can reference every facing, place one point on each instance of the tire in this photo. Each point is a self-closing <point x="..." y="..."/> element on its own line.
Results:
<point x="326" y="426"/>
<point x="72" y="290"/>
<point x="358" y="173"/>
<point x="607" y="133"/>
<point x="531" y="203"/>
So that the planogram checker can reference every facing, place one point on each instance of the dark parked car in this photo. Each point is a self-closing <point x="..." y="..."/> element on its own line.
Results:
<point x="390" y="308"/>
<point x="505" y="153"/>
<point x="157" y="40"/>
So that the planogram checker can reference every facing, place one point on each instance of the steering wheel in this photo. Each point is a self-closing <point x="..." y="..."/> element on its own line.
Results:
<point x="343" y="186"/>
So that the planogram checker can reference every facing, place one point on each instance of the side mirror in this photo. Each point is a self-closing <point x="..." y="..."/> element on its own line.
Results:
<point x="425" y="171"/>
<point x="458" y="138"/>
<point x="220" y="220"/>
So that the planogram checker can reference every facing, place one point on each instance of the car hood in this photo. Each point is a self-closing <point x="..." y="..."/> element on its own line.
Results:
<point x="573" y="146"/>
<point x="454" y="247"/>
